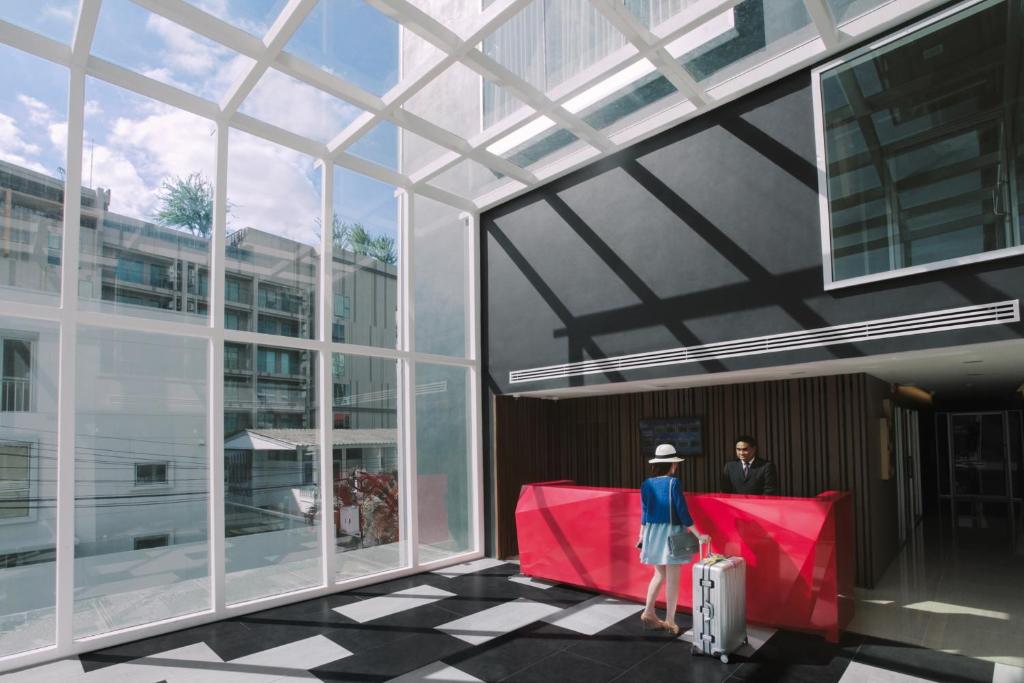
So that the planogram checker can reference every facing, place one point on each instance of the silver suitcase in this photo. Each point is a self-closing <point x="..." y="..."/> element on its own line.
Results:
<point x="719" y="606"/>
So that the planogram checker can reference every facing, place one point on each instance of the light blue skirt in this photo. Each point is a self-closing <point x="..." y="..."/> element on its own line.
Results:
<point x="655" y="548"/>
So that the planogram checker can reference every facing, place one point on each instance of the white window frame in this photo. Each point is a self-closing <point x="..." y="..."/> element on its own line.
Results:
<point x="166" y="483"/>
<point x="825" y="215"/>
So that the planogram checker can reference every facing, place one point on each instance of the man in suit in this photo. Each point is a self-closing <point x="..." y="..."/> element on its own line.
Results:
<point x="749" y="474"/>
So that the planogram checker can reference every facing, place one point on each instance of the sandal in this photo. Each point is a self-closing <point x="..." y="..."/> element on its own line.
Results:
<point x="671" y="627"/>
<point x="651" y="623"/>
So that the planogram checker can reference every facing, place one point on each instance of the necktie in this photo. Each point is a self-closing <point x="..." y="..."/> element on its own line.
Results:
<point x="746" y="470"/>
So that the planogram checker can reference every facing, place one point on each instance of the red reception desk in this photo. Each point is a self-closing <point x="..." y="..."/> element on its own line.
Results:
<point x="799" y="551"/>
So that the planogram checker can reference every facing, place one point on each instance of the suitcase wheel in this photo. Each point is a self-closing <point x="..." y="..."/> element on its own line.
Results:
<point x="724" y="658"/>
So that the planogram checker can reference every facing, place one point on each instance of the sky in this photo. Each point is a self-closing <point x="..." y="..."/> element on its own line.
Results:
<point x="132" y="143"/>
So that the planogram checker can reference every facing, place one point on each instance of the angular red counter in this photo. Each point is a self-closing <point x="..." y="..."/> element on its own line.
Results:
<point x="799" y="551"/>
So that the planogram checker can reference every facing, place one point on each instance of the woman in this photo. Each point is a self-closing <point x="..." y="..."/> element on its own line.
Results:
<point x="664" y="513"/>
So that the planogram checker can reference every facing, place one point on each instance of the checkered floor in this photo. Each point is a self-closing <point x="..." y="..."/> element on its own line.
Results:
<point x="483" y="622"/>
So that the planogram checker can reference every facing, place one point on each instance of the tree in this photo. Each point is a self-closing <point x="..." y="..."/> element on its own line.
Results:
<point x="358" y="240"/>
<point x="380" y="247"/>
<point x="187" y="203"/>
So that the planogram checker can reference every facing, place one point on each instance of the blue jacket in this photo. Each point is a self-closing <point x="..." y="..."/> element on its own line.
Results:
<point x="654" y="501"/>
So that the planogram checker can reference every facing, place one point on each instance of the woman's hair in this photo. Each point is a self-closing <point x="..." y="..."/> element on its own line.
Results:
<point x="660" y="469"/>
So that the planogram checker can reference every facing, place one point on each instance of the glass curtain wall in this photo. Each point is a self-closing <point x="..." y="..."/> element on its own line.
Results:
<point x="213" y="458"/>
<point x="923" y="145"/>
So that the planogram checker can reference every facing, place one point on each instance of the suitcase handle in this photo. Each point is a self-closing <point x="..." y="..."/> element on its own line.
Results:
<point x="702" y="546"/>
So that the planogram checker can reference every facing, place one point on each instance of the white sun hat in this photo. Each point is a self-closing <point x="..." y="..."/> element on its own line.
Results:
<point x="666" y="452"/>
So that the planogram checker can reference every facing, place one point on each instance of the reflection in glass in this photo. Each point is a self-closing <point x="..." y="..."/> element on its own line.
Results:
<point x="271" y="264"/>
<point x="33" y="110"/>
<point x="28" y="484"/>
<point x="158" y="48"/>
<point x="271" y="471"/>
<point x="147" y="207"/>
<point x="365" y="455"/>
<point x="917" y="169"/>
<point x="351" y="39"/>
<point x="141" y="479"/>
<point x="365" y="261"/>
<point x="845" y="10"/>
<point x="440" y="242"/>
<point x="442" y="461"/>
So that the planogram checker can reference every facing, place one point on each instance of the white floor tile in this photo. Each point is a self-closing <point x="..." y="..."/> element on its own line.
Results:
<point x="438" y="672"/>
<point x="308" y="653"/>
<point x="468" y="567"/>
<point x="489" y="624"/>
<point x="531" y="582"/>
<point x="56" y="672"/>
<point x="399" y="601"/>
<point x="857" y="672"/>
<point x="594" y="615"/>
<point x="1007" y="674"/>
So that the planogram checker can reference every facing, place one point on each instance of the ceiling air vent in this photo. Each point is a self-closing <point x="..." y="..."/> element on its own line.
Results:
<point x="918" y="323"/>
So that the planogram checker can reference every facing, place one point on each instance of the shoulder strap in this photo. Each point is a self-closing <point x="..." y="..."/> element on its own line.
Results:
<point x="671" y="503"/>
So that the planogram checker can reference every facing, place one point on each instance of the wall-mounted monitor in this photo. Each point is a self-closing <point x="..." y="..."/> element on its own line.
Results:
<point x="682" y="432"/>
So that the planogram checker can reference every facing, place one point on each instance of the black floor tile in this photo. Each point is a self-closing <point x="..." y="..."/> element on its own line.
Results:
<point x="673" y="662"/>
<point x="391" y="630"/>
<point x="392" y="659"/>
<point x="922" y="662"/>
<point x="565" y="667"/>
<point x="229" y="639"/>
<point x="798" y="658"/>
<point x="513" y="652"/>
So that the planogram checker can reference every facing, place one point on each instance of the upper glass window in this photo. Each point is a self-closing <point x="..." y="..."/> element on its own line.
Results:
<point x="920" y="148"/>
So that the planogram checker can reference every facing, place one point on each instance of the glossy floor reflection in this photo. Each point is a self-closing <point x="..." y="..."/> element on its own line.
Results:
<point x="482" y="621"/>
<point x="954" y="589"/>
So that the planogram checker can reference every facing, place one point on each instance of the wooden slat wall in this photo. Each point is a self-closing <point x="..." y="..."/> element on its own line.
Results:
<point x="822" y="433"/>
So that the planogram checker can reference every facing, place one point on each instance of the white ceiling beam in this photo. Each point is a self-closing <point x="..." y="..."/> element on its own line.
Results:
<point x="34" y="44"/>
<point x="489" y="68"/>
<point x="647" y="43"/>
<point x="375" y="171"/>
<point x="446" y="197"/>
<point x="279" y="136"/>
<point x="205" y="24"/>
<point x="85" y="29"/>
<point x="277" y="37"/>
<point x="824" y="23"/>
<point x="690" y="18"/>
<point x="151" y="88"/>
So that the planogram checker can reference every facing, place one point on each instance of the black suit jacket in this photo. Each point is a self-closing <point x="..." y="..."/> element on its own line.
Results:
<point x="760" y="481"/>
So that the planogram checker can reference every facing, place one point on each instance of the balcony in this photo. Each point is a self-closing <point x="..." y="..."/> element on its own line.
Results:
<point x="15" y="395"/>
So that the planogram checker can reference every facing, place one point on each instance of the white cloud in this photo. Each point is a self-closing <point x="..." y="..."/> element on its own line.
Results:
<point x="269" y="189"/>
<point x="65" y="14"/>
<point x="12" y="139"/>
<point x="58" y="134"/>
<point x="186" y="51"/>
<point x="298" y="107"/>
<point x="92" y="108"/>
<point x="39" y="113"/>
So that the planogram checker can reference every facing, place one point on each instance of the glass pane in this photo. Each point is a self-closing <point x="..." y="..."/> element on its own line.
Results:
<point x="547" y="43"/>
<point x="366" y="465"/>
<point x="254" y="16"/>
<point x="749" y="34"/>
<point x="536" y="142"/>
<point x="147" y="214"/>
<point x="53" y="18"/>
<point x="298" y="107"/>
<point x="28" y="484"/>
<point x="33" y="130"/>
<point x="365" y="262"/>
<point x="979" y="455"/>
<point x="633" y="94"/>
<point x="845" y="10"/>
<point x="351" y="39"/>
<point x="452" y="101"/>
<point x="439" y="240"/>
<point x="470" y="179"/>
<point x="380" y="146"/>
<point x="442" y="461"/>
<point x="272" y="262"/>
<point x="141" y="552"/>
<point x="139" y="40"/>
<point x="271" y="471"/>
<point x="917" y="168"/>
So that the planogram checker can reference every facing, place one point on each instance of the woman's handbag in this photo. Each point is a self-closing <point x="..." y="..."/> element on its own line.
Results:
<point x="684" y="544"/>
